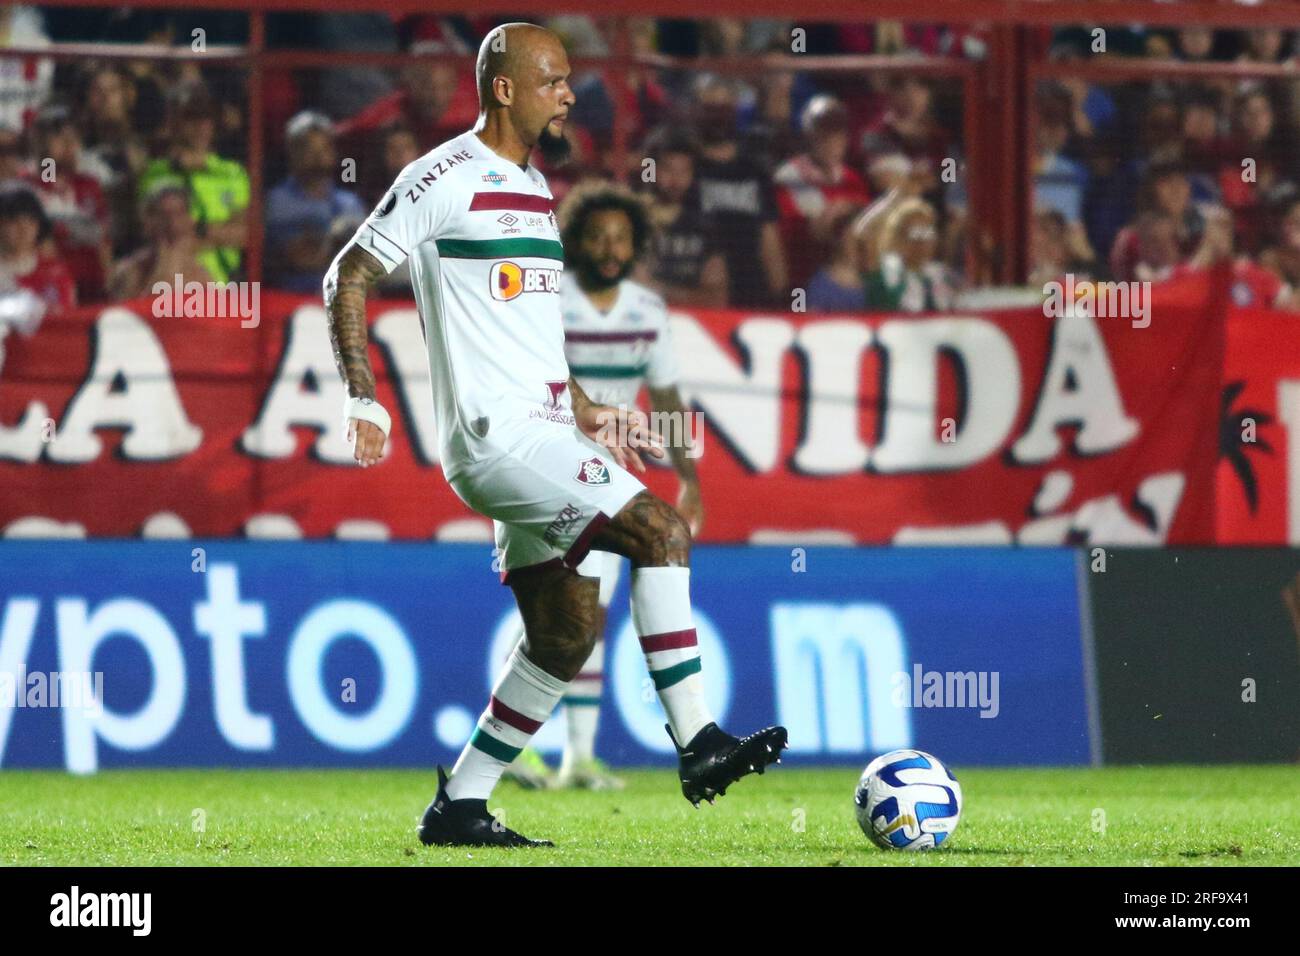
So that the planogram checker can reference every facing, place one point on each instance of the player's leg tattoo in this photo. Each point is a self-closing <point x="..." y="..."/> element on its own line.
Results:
<point x="561" y="612"/>
<point x="649" y="532"/>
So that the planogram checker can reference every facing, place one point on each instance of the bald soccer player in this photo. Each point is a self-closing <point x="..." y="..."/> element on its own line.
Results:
<point x="519" y="440"/>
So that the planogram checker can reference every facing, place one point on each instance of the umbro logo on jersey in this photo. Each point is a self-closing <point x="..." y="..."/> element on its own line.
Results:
<point x="508" y="280"/>
<point x="495" y="178"/>
<point x="593" y="471"/>
<point x="508" y="219"/>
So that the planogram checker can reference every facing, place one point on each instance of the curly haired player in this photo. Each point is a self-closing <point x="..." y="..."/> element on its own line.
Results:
<point x="516" y="431"/>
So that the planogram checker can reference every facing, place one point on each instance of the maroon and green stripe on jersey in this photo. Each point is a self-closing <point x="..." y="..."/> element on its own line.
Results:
<point x="520" y="248"/>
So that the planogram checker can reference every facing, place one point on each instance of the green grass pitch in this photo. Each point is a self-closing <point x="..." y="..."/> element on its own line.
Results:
<point x="791" y="817"/>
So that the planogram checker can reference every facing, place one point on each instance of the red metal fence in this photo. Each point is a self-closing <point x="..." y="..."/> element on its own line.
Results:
<point x="997" y="125"/>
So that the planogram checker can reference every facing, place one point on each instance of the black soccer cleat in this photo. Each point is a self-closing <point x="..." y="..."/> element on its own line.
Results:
<point x="714" y="759"/>
<point x="448" y="822"/>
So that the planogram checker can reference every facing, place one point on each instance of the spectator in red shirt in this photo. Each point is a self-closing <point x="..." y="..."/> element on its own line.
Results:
<point x="1204" y="149"/>
<point x="817" y="188"/>
<point x="437" y="99"/>
<point x="27" y="259"/>
<point x="1252" y="285"/>
<point x="74" y="201"/>
<point x="1259" y="140"/>
<point x="1282" y="256"/>
<point x="640" y="102"/>
<point x="892" y="36"/>
<point x="1168" y="215"/>
<point x="907" y="127"/>
<point x="1151" y="251"/>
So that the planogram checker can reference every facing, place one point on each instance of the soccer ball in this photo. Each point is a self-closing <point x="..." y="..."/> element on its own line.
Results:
<point x="907" y="800"/>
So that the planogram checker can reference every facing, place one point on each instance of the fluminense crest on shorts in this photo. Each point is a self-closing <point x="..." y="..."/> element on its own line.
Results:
<point x="593" y="471"/>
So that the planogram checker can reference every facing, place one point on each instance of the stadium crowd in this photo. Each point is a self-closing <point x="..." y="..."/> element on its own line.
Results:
<point x="119" y="173"/>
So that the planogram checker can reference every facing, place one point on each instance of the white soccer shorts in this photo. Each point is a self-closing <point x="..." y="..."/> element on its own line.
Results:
<point x="548" y="495"/>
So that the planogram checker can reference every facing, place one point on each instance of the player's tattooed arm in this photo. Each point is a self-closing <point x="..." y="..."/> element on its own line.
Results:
<point x="346" y="283"/>
<point x="592" y="419"/>
<point x="581" y="402"/>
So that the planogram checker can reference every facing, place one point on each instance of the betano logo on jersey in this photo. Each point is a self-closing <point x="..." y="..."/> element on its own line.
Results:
<point x="509" y="280"/>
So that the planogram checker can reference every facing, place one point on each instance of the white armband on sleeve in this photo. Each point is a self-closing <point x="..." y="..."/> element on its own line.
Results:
<point x="367" y="410"/>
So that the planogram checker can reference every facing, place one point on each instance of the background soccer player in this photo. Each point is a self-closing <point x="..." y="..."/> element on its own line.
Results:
<point x="616" y="340"/>
<point x="516" y="432"/>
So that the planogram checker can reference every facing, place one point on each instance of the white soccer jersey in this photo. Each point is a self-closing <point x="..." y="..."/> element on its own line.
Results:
<point x="486" y="259"/>
<point x="612" y="353"/>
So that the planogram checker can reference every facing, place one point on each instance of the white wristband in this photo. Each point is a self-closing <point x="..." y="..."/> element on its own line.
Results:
<point x="367" y="410"/>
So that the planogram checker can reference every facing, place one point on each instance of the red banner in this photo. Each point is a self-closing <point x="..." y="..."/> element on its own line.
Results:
<point x="1001" y="426"/>
<point x="1259" y="474"/>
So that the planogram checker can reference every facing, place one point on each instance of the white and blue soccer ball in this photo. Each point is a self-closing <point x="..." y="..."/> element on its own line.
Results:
<point x="907" y="800"/>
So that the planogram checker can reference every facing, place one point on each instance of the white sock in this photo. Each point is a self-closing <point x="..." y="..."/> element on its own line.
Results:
<point x="521" y="702"/>
<point x="661" y="614"/>
<point x="582" y="708"/>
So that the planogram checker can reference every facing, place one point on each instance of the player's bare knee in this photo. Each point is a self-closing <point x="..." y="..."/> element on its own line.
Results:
<point x="559" y="652"/>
